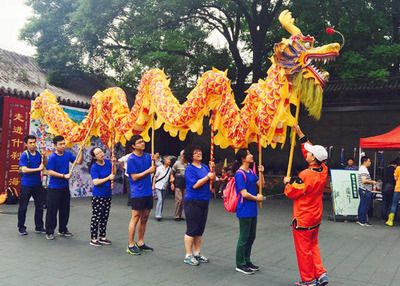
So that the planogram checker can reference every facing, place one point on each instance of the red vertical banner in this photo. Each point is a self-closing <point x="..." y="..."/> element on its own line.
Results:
<point x="16" y="120"/>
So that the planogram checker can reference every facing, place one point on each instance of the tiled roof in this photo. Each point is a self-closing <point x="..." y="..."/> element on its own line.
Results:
<point x="21" y="76"/>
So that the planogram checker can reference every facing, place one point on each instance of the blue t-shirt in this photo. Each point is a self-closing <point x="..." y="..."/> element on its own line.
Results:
<point x="247" y="208"/>
<point x="135" y="165"/>
<point x="192" y="175"/>
<point x="59" y="164"/>
<point x="100" y="172"/>
<point x="30" y="161"/>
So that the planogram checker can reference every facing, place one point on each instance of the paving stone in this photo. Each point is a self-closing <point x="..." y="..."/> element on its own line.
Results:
<point x="353" y="255"/>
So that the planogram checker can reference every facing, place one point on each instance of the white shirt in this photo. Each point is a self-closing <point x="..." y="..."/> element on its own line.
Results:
<point x="124" y="159"/>
<point x="163" y="173"/>
<point x="363" y="172"/>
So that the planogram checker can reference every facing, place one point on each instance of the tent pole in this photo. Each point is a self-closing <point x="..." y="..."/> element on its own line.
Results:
<point x="374" y="165"/>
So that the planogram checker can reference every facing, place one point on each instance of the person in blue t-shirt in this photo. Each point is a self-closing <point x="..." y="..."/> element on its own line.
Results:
<point x="195" y="206"/>
<point x="102" y="175"/>
<point x="58" y="195"/>
<point x="31" y="165"/>
<point x="139" y="168"/>
<point x="246" y="182"/>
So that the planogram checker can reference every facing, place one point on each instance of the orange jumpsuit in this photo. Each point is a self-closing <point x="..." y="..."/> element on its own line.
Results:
<point x="306" y="192"/>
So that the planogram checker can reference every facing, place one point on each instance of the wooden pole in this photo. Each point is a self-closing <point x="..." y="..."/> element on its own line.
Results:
<point x="212" y="118"/>
<point x="260" y="174"/>
<point x="152" y="140"/>
<point x="113" y="167"/>
<point x="81" y="148"/>
<point x="293" y="140"/>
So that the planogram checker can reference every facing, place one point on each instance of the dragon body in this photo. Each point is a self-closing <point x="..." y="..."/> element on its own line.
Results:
<point x="292" y="78"/>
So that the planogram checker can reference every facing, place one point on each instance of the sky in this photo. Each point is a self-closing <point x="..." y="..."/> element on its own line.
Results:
<point x="14" y="14"/>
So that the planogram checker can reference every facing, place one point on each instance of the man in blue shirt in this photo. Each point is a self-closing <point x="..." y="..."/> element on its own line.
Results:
<point x="58" y="195"/>
<point x="30" y="164"/>
<point x="139" y="169"/>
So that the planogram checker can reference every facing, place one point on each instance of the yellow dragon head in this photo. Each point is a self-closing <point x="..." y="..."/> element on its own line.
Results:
<point x="297" y="60"/>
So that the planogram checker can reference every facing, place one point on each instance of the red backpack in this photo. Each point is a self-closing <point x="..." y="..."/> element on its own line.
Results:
<point x="231" y="198"/>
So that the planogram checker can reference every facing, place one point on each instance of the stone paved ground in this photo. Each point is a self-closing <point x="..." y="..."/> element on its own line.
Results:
<point x="353" y="255"/>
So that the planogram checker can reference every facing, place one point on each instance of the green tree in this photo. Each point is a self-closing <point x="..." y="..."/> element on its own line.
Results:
<point x="123" y="38"/>
<point x="49" y="32"/>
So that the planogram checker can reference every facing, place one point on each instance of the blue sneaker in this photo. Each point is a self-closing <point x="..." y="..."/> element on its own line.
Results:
<point x="22" y="231"/>
<point x="323" y="280"/>
<point x="133" y="250"/>
<point x="144" y="247"/>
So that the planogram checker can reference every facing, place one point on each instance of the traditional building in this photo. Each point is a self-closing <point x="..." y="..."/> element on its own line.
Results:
<point x="21" y="81"/>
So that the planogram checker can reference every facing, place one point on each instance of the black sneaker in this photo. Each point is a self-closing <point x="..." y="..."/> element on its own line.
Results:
<point x="95" y="243"/>
<point x="244" y="269"/>
<point x="105" y="241"/>
<point x="22" y="231"/>
<point x="145" y="247"/>
<point x="65" y="233"/>
<point x="323" y="280"/>
<point x="40" y="230"/>
<point x="252" y="266"/>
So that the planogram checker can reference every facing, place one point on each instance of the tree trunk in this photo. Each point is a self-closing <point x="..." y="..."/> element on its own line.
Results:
<point x="396" y="32"/>
<point x="257" y="63"/>
<point x="240" y="86"/>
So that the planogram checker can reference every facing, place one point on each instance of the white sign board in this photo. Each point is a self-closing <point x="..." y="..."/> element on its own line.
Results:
<point x="345" y="192"/>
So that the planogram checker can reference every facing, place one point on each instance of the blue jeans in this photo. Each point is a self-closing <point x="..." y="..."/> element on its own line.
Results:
<point x="395" y="202"/>
<point x="365" y="200"/>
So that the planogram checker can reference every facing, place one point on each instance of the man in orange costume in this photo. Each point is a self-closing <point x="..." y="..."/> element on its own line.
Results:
<point x="306" y="192"/>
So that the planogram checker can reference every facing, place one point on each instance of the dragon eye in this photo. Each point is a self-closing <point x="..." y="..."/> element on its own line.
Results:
<point x="307" y="45"/>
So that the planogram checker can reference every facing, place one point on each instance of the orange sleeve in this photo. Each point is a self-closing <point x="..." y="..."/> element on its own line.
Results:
<point x="397" y="173"/>
<point x="295" y="188"/>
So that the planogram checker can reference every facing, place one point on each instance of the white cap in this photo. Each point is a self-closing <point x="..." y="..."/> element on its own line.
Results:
<point x="318" y="151"/>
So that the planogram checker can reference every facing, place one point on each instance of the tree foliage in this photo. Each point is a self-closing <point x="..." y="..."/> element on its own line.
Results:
<point x="123" y="38"/>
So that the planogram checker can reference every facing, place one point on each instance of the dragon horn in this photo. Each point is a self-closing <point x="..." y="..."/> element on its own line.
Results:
<point x="287" y="22"/>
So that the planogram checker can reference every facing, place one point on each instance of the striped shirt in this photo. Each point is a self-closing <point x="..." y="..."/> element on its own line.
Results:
<point x="363" y="172"/>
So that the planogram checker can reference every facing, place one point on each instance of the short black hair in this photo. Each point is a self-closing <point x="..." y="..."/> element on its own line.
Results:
<point x="395" y="161"/>
<point x="189" y="152"/>
<point x="57" y="139"/>
<point x="134" y="138"/>
<point x="364" y="159"/>
<point x="350" y="158"/>
<point x="27" y="137"/>
<point x="241" y="154"/>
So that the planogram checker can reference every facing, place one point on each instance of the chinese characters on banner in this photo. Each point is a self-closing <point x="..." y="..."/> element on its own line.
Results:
<point x="15" y="127"/>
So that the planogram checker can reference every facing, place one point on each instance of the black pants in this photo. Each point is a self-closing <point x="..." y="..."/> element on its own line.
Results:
<point x="38" y="197"/>
<point x="196" y="212"/>
<point x="387" y="197"/>
<point x="100" y="212"/>
<point x="58" y="201"/>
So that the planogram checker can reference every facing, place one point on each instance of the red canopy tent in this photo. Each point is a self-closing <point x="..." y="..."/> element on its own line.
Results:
<point x="389" y="140"/>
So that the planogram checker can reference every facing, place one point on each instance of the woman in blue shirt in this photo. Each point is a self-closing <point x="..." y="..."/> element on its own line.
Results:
<point x="246" y="182"/>
<point x="101" y="173"/>
<point x="197" y="197"/>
